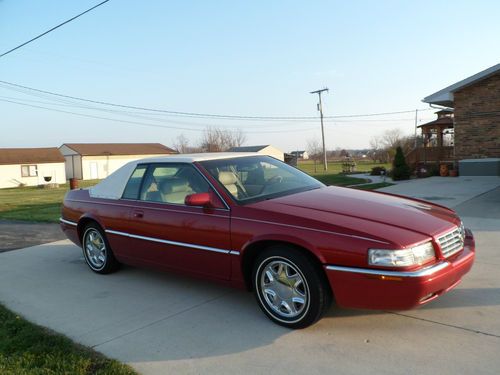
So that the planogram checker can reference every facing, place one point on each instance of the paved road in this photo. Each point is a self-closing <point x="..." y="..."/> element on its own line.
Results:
<point x="20" y="234"/>
<point x="163" y="323"/>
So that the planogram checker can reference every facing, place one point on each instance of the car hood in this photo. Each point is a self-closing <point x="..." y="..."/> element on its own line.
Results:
<point x="406" y="213"/>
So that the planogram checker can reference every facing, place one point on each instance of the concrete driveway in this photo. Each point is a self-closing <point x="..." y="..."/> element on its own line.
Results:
<point x="447" y="191"/>
<point x="164" y="323"/>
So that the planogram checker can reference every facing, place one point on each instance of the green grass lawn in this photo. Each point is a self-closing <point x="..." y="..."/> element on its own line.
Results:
<point x="333" y="175"/>
<point x="335" y="167"/>
<point x="26" y="348"/>
<point x="33" y="203"/>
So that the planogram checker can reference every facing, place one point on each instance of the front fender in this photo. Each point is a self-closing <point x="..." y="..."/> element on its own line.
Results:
<point x="284" y="238"/>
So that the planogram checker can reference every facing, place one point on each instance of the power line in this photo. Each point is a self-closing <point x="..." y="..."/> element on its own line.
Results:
<point x="199" y="115"/>
<point x="21" y="101"/>
<point x="52" y="29"/>
<point x="136" y="115"/>
<point x="188" y="114"/>
<point x="141" y="123"/>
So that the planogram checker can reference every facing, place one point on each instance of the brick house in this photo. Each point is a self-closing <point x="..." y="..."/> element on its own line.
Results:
<point x="476" y="121"/>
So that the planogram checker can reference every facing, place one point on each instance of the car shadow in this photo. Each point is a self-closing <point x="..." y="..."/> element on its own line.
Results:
<point x="457" y="298"/>
<point x="466" y="297"/>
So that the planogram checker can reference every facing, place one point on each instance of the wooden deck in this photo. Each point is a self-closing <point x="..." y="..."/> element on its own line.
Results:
<point x="430" y="155"/>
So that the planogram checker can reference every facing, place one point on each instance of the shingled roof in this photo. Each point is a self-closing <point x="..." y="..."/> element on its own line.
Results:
<point x="30" y="155"/>
<point x="445" y="96"/>
<point x="102" y="149"/>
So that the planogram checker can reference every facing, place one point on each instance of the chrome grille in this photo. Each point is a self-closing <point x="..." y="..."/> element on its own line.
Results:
<point x="451" y="242"/>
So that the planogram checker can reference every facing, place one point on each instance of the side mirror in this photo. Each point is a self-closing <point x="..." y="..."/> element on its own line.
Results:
<point x="199" y="199"/>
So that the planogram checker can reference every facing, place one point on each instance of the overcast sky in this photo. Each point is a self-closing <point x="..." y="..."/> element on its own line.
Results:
<point x="258" y="58"/>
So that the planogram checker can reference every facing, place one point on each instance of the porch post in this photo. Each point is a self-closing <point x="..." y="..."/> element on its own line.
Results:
<point x="439" y="131"/>
<point x="440" y="136"/>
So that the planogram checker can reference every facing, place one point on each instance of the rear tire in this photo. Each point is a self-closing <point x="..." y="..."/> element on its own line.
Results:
<point x="97" y="251"/>
<point x="289" y="287"/>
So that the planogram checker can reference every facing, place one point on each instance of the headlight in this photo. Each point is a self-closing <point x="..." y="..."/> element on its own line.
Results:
<point x="401" y="258"/>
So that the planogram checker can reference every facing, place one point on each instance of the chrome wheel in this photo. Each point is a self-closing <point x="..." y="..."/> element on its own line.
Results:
<point x="284" y="288"/>
<point x="95" y="249"/>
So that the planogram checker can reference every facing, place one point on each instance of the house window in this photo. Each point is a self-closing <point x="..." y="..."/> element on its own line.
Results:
<point x="29" y="171"/>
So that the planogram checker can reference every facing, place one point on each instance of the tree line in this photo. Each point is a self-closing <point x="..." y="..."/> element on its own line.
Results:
<point x="214" y="139"/>
<point x="382" y="147"/>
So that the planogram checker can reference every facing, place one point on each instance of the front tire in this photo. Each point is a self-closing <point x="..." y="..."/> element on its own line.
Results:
<point x="97" y="251"/>
<point x="289" y="287"/>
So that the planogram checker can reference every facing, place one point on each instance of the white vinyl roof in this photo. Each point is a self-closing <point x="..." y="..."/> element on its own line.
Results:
<point x="445" y="97"/>
<point x="112" y="187"/>
<point x="190" y="158"/>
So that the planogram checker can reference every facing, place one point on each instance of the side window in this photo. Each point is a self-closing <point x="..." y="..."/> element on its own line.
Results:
<point x="172" y="183"/>
<point x="134" y="183"/>
<point x="29" y="171"/>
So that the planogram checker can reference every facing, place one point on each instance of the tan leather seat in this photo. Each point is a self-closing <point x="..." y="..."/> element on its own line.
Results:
<point x="229" y="180"/>
<point x="174" y="190"/>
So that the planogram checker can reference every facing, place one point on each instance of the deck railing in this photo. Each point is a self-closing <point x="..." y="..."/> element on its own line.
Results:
<point x="430" y="155"/>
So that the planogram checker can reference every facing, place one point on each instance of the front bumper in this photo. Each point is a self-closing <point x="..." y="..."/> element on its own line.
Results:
<point x="393" y="290"/>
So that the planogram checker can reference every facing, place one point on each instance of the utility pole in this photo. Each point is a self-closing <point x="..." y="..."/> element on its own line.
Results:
<point x="416" y="123"/>
<point x="320" y="109"/>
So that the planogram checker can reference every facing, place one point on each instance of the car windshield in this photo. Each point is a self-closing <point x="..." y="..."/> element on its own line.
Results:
<point x="255" y="178"/>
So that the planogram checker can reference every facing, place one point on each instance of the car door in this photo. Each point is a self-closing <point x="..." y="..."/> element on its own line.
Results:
<point x="166" y="232"/>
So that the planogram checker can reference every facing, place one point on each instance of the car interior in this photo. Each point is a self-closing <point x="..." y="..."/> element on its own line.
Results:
<point x="172" y="184"/>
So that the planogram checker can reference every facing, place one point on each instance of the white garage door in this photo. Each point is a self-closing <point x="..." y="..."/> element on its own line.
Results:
<point x="93" y="171"/>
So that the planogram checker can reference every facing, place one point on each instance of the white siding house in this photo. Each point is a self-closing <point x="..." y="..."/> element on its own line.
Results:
<point x="31" y="167"/>
<point x="89" y="161"/>
<point x="304" y="155"/>
<point x="264" y="150"/>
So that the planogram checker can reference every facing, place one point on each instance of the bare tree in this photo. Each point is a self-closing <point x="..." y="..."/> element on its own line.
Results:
<point x="315" y="151"/>
<point x="238" y="138"/>
<point x="383" y="147"/>
<point x="344" y="153"/>
<point x="216" y="139"/>
<point x="408" y="143"/>
<point x="378" y="151"/>
<point x="375" y="143"/>
<point x="181" y="144"/>
<point x="392" y="138"/>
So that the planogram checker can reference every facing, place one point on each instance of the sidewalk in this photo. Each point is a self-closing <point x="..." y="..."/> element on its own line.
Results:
<point x="373" y="179"/>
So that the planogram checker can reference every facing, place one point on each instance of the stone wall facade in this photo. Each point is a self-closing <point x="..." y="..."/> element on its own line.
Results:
<point x="477" y="120"/>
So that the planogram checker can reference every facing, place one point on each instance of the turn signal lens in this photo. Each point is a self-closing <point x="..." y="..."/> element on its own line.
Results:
<point x="401" y="258"/>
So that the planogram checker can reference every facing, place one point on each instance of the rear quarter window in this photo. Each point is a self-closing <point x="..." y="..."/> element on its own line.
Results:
<point x="134" y="183"/>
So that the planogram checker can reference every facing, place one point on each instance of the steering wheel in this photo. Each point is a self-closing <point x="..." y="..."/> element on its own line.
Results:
<point x="273" y="180"/>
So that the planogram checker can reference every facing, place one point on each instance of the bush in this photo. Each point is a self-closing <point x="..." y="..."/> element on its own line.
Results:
<point x="377" y="171"/>
<point x="400" y="170"/>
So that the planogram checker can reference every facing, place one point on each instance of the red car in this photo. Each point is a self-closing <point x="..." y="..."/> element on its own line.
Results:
<point x="254" y="222"/>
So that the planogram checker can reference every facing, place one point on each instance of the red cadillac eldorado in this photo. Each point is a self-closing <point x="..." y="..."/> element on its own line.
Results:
<point x="254" y="222"/>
